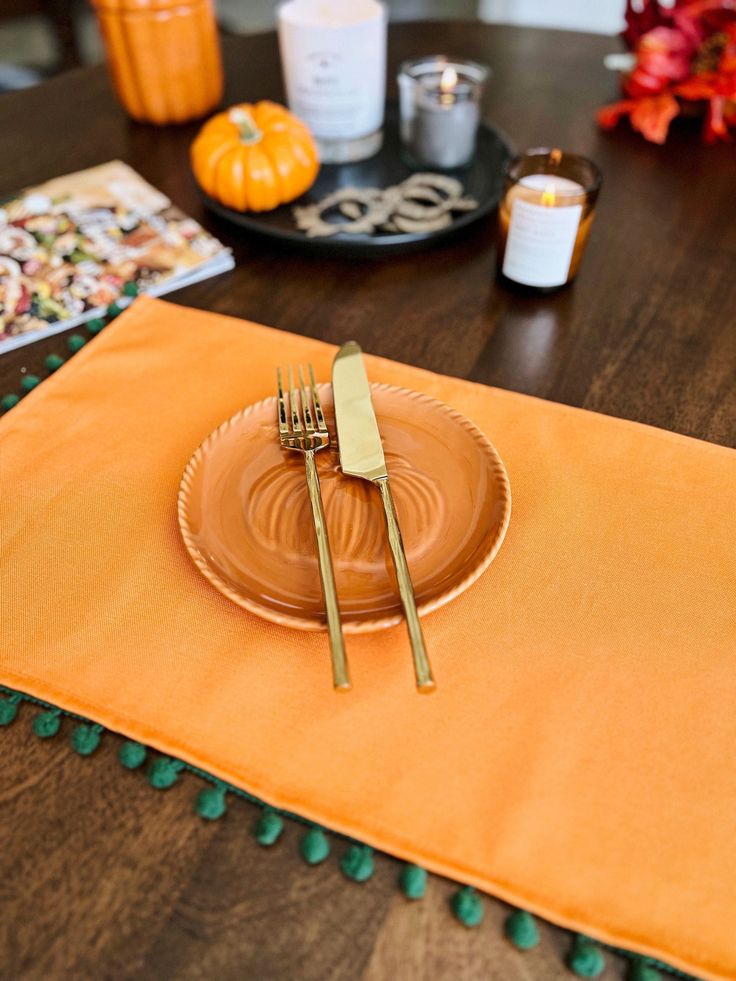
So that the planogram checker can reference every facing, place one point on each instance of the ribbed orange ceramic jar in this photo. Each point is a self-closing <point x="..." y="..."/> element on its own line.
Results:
<point x="164" y="57"/>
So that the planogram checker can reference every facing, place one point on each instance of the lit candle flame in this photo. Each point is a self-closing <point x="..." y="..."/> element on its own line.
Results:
<point x="548" y="196"/>
<point x="448" y="81"/>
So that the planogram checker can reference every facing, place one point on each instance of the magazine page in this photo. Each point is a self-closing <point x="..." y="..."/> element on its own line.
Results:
<point x="69" y="246"/>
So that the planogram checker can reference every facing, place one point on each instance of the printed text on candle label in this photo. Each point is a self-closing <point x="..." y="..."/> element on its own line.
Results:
<point x="540" y="243"/>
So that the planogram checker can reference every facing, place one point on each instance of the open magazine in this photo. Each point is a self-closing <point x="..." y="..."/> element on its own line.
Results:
<point x="69" y="246"/>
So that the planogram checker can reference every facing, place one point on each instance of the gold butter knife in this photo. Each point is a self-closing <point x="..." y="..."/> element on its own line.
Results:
<point x="361" y="455"/>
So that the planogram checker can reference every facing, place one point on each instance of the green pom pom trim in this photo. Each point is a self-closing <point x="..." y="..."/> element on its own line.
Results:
<point x="95" y="325"/>
<point x="29" y="382"/>
<point x="8" y="709"/>
<point x="521" y="929"/>
<point x="164" y="772"/>
<point x="467" y="906"/>
<point x="86" y="738"/>
<point x="130" y="289"/>
<point x="413" y="881"/>
<point x="53" y="362"/>
<point x="314" y="846"/>
<point x="132" y="754"/>
<point x="8" y="401"/>
<point x="113" y="310"/>
<point x="47" y="724"/>
<point x="641" y="971"/>
<point x="586" y="959"/>
<point x="211" y="802"/>
<point x="75" y="342"/>
<point x="357" y="863"/>
<point x="269" y="827"/>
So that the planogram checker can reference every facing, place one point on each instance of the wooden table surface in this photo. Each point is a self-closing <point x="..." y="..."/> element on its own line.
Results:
<point x="103" y="877"/>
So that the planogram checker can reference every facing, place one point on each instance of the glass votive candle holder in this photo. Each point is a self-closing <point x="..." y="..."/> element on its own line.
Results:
<point x="545" y="217"/>
<point x="439" y="106"/>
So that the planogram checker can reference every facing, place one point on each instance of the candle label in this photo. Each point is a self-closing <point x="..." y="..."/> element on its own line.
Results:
<point x="540" y="243"/>
<point x="335" y="78"/>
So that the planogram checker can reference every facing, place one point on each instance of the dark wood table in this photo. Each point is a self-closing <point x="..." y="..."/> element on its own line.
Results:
<point x="103" y="877"/>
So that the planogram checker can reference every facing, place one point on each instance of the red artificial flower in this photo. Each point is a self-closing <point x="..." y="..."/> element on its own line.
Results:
<point x="639" y="22"/>
<point x="663" y="56"/>
<point x="718" y="88"/>
<point x="675" y="47"/>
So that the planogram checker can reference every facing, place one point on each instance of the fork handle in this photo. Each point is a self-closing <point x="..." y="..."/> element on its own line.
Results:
<point x="340" y="674"/>
<point x="422" y="669"/>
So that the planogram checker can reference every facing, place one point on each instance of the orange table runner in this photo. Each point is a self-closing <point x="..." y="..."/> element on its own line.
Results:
<point x="577" y="758"/>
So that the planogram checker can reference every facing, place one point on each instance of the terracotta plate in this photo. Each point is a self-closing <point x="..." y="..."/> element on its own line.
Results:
<point x="245" y="517"/>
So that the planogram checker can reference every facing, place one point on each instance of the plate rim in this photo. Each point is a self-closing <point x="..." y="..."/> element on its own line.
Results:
<point x="349" y="626"/>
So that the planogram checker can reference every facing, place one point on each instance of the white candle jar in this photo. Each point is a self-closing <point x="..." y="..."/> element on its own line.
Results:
<point x="439" y="104"/>
<point x="333" y="56"/>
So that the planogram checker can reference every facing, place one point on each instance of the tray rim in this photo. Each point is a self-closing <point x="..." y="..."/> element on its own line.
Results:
<point x="364" y="245"/>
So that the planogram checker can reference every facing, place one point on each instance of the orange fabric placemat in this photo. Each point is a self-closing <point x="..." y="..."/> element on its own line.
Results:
<point x="577" y="758"/>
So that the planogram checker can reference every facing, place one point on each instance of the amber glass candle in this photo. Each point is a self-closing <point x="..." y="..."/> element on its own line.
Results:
<point x="164" y="57"/>
<point x="545" y="217"/>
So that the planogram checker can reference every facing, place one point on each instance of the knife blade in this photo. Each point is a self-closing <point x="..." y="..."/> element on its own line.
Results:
<point x="361" y="455"/>
<point x="361" y="451"/>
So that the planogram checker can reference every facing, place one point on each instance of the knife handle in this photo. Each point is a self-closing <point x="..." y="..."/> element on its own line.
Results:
<point x="422" y="670"/>
<point x="340" y="674"/>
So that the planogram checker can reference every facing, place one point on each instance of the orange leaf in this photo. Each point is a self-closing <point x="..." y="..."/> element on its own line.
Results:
<point x="608" y="116"/>
<point x="695" y="88"/>
<point x="652" y="117"/>
<point x="715" y="123"/>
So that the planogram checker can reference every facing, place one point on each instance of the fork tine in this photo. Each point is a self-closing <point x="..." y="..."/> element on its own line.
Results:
<point x="319" y="414"/>
<point x="306" y="406"/>
<point x="283" y="418"/>
<point x="296" y="421"/>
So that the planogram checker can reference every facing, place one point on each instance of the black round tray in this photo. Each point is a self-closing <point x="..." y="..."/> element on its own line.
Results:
<point x="482" y="180"/>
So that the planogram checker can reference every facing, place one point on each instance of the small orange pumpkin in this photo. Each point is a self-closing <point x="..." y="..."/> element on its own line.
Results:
<point x="254" y="157"/>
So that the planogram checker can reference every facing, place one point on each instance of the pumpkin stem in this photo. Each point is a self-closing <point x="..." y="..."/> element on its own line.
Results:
<point x="249" y="132"/>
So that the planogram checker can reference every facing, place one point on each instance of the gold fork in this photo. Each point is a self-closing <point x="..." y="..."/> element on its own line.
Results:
<point x="309" y="438"/>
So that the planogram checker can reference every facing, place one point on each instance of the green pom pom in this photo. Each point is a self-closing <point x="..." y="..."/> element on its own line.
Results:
<point x="357" y="863"/>
<point x="314" y="846"/>
<point x="467" y="906"/>
<point x="413" y="881"/>
<point x="85" y="739"/>
<point x="75" y="342"/>
<point x="8" y="401"/>
<point x="521" y="929"/>
<point x="130" y="289"/>
<point x="641" y="971"/>
<point x="132" y="754"/>
<point x="113" y="310"/>
<point x="8" y="709"/>
<point x="47" y="724"/>
<point x="163" y="772"/>
<point x="586" y="959"/>
<point x="53" y="362"/>
<point x="29" y="382"/>
<point x="269" y="827"/>
<point x="95" y="325"/>
<point x="211" y="802"/>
